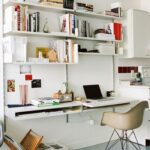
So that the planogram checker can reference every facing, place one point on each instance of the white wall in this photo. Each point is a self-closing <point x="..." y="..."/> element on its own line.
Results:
<point x="91" y="69"/>
<point x="1" y="66"/>
<point x="145" y="5"/>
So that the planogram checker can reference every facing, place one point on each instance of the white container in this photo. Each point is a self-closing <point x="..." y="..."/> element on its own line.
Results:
<point x="15" y="49"/>
<point x="105" y="48"/>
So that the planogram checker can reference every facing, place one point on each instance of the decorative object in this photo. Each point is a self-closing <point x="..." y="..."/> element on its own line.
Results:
<point x="52" y="55"/>
<point x="46" y="28"/>
<point x="10" y="85"/>
<point x="24" y="69"/>
<point x="41" y="51"/>
<point x="23" y="94"/>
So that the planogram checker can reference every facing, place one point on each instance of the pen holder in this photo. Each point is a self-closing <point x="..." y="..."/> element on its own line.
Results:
<point x="23" y="94"/>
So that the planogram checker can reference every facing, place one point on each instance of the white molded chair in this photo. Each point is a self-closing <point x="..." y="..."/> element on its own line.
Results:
<point x="125" y="122"/>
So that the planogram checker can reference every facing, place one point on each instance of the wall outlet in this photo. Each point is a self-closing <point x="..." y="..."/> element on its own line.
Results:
<point x="91" y="122"/>
<point x="36" y="83"/>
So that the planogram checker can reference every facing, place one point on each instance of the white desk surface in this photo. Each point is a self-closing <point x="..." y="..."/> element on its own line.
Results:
<point x="107" y="102"/>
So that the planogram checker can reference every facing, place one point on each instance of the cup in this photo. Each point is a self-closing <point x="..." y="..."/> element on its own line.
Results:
<point x="23" y="94"/>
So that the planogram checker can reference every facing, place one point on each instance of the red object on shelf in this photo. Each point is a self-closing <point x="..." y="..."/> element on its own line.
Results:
<point x="28" y="77"/>
<point x="116" y="29"/>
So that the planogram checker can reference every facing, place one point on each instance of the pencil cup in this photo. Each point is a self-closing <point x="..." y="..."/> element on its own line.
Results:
<point x="23" y="94"/>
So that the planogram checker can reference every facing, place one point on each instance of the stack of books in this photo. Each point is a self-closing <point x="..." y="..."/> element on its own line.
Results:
<point x="68" y="23"/>
<point x="67" y="51"/>
<point x="84" y="7"/>
<point x="21" y="20"/>
<point x="53" y="3"/>
<point x="44" y="101"/>
<point x="69" y="4"/>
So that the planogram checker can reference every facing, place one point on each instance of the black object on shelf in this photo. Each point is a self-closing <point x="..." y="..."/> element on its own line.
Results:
<point x="68" y="4"/>
<point x="82" y="50"/>
<point x="18" y="105"/>
<point x="93" y="51"/>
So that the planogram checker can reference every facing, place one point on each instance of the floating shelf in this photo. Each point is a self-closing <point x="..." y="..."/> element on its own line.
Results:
<point x="93" y="39"/>
<point x="56" y="9"/>
<point x="96" y="15"/>
<point x="39" y="34"/>
<point x="39" y="63"/>
<point x="55" y="34"/>
<point x="86" y="53"/>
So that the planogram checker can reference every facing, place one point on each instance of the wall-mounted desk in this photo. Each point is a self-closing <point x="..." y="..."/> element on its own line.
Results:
<point x="31" y="112"/>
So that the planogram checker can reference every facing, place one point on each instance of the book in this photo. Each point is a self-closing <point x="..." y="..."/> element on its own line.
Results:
<point x="44" y="101"/>
<point x="68" y="4"/>
<point x="64" y="23"/>
<point x="116" y="29"/>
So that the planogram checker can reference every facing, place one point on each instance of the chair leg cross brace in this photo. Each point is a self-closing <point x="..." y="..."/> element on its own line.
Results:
<point x="124" y="140"/>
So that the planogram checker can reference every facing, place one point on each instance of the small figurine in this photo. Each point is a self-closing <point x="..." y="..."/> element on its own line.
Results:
<point x="138" y="77"/>
<point x="46" y="28"/>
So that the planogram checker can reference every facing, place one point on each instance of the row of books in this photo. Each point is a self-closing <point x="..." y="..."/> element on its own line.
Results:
<point x="67" y="50"/>
<point x="58" y="3"/>
<point x="83" y="7"/>
<point x="21" y="20"/>
<point x="69" y="23"/>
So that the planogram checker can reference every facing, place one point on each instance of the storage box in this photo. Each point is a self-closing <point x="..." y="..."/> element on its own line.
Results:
<point x="105" y="48"/>
<point x="15" y="49"/>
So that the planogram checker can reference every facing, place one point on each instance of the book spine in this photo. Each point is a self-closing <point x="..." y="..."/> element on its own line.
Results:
<point x="76" y="53"/>
<point x="34" y="22"/>
<point x="17" y="9"/>
<point x="37" y="21"/>
<point x="29" y="22"/>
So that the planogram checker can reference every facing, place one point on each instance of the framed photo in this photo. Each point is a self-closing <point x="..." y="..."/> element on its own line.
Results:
<point x="41" y="50"/>
<point x="10" y="85"/>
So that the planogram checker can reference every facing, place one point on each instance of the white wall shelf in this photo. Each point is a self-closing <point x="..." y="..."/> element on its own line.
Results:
<point x="39" y="34"/>
<point x="55" y="34"/>
<point x="96" y="15"/>
<point x="93" y="39"/>
<point x="40" y="63"/>
<point x="56" y="9"/>
<point x="98" y="54"/>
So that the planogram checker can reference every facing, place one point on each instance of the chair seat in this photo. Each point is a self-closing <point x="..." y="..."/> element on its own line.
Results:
<point x="125" y="121"/>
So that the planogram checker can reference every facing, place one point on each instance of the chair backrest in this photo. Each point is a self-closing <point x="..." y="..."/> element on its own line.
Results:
<point x="135" y="114"/>
<point x="31" y="141"/>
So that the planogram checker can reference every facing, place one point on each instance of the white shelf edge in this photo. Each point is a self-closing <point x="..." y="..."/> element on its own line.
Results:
<point x="36" y="5"/>
<point x="86" y="53"/>
<point x="51" y="34"/>
<point x="99" y="15"/>
<point x="39" y="63"/>
<point x="93" y="39"/>
<point x="57" y="9"/>
<point x="54" y="34"/>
